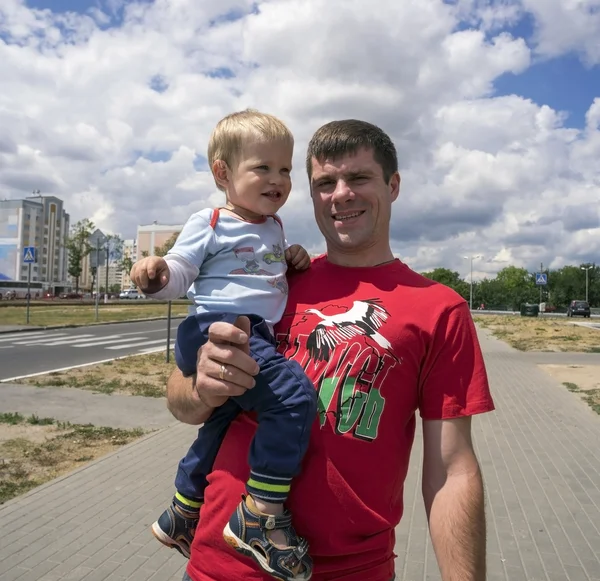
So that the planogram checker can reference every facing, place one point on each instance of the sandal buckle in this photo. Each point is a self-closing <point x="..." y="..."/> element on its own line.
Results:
<point x="270" y="523"/>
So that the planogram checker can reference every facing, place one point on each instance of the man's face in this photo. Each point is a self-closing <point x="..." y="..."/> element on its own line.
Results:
<point x="353" y="204"/>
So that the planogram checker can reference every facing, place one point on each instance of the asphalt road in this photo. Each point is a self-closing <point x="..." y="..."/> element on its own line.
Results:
<point x="30" y="352"/>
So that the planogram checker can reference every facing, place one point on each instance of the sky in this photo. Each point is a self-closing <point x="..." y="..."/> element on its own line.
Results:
<point x="494" y="107"/>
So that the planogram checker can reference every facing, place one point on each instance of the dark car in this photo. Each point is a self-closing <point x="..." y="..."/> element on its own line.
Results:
<point x="578" y="309"/>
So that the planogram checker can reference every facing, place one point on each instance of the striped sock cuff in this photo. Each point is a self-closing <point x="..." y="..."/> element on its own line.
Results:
<point x="189" y="504"/>
<point x="268" y="488"/>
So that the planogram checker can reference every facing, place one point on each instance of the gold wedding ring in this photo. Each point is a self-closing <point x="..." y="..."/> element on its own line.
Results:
<point x="222" y="374"/>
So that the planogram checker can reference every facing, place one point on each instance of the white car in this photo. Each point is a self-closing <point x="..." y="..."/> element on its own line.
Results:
<point x="131" y="293"/>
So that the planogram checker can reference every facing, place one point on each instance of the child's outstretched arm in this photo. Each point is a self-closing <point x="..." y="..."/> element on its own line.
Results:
<point x="165" y="278"/>
<point x="297" y="257"/>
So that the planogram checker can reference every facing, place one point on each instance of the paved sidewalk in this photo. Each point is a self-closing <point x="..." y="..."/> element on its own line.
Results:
<point x="80" y="406"/>
<point x="540" y="453"/>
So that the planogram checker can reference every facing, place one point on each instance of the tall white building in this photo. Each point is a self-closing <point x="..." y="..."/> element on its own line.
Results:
<point x="41" y="222"/>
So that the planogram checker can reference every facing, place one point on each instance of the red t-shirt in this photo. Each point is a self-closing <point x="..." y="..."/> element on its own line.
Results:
<point x="382" y="343"/>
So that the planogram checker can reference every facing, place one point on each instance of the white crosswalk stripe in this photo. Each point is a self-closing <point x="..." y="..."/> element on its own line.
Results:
<point x="12" y="337"/>
<point x="136" y="341"/>
<point x="104" y="341"/>
<point x="142" y="344"/>
<point x="38" y="341"/>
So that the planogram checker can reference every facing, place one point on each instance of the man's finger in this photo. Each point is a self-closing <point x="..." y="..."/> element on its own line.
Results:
<point x="214" y="391"/>
<point x="211" y="358"/>
<point x="243" y="324"/>
<point x="221" y="332"/>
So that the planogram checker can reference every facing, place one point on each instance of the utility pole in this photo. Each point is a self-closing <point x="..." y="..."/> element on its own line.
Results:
<point x="470" y="258"/>
<point x="587" y="270"/>
<point x="97" y="273"/>
<point x="541" y="271"/>
<point x="107" y="258"/>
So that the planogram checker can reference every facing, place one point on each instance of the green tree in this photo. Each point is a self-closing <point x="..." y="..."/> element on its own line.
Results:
<point x="78" y="247"/>
<point x="162" y="250"/>
<point x="126" y="264"/>
<point x="451" y="279"/>
<point x="517" y="286"/>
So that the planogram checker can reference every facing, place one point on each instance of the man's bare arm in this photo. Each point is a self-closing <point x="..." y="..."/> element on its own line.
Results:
<point x="454" y="499"/>
<point x="183" y="400"/>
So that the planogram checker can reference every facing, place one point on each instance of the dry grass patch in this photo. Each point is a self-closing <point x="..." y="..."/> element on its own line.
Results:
<point x="34" y="450"/>
<point x="85" y="313"/>
<point x="144" y="375"/>
<point x="584" y="380"/>
<point x="541" y="333"/>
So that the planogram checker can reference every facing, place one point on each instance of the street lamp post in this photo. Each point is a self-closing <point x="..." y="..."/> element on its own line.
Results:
<point x="470" y="258"/>
<point x="587" y="270"/>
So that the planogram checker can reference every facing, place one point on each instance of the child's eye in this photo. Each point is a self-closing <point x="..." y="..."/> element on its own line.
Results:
<point x="263" y="167"/>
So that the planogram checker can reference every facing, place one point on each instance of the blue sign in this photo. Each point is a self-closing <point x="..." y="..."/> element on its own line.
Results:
<point x="29" y="254"/>
<point x="541" y="278"/>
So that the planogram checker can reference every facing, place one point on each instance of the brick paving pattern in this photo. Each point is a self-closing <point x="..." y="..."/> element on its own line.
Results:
<point x="540" y="454"/>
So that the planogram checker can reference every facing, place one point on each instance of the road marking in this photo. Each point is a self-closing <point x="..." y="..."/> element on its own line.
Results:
<point x="78" y="339"/>
<point x="92" y="343"/>
<point x="11" y="379"/>
<point x="129" y="345"/>
<point x="6" y="338"/>
<point x="40" y="341"/>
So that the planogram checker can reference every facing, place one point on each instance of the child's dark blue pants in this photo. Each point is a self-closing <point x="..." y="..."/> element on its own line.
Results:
<point x="283" y="398"/>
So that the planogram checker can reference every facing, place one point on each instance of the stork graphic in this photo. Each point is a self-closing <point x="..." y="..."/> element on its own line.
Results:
<point x="364" y="318"/>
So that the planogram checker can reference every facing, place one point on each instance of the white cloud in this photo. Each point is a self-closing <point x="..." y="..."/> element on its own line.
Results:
<point x="115" y="119"/>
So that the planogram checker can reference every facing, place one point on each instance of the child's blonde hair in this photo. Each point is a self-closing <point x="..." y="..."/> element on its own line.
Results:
<point x="230" y="134"/>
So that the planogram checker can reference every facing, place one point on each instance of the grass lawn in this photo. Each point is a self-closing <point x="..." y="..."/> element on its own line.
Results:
<point x="144" y="375"/>
<point x="541" y="333"/>
<point x="85" y="313"/>
<point x="34" y="450"/>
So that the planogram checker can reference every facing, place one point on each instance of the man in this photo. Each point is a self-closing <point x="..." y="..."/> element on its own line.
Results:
<point x="379" y="343"/>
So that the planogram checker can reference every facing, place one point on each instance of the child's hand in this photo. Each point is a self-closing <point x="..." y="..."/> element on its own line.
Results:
<point x="297" y="257"/>
<point x="150" y="274"/>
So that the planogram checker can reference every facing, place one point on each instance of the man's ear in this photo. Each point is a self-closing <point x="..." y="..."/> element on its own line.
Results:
<point x="219" y="169"/>
<point x="395" y="185"/>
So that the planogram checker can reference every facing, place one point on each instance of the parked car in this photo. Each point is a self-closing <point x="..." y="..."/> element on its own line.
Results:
<point x="578" y="309"/>
<point x="131" y="293"/>
<point x="71" y="295"/>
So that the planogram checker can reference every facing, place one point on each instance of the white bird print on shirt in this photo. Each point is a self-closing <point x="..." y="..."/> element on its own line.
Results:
<point x="364" y="318"/>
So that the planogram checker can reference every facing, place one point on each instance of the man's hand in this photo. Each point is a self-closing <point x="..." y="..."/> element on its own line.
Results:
<point x="150" y="274"/>
<point x="297" y="257"/>
<point x="224" y="367"/>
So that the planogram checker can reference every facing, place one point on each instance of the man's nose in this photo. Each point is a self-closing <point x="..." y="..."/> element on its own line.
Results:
<point x="342" y="192"/>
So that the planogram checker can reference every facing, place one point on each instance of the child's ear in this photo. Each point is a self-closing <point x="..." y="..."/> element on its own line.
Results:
<point x="219" y="169"/>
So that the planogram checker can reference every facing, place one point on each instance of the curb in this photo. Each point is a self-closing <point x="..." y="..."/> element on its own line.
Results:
<point x="74" y="326"/>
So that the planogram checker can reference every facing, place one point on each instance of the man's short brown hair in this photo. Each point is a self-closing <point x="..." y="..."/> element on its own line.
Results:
<point x="230" y="134"/>
<point x="346" y="137"/>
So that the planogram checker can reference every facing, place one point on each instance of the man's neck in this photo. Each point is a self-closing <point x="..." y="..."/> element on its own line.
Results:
<point x="366" y="258"/>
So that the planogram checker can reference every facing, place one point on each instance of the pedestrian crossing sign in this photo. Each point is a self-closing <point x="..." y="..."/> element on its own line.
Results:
<point x="29" y="254"/>
<point x="541" y="278"/>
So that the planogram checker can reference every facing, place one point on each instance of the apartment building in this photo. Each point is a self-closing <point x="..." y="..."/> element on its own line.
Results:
<point x="41" y="222"/>
<point x="129" y="252"/>
<point x="153" y="236"/>
<point x="115" y="276"/>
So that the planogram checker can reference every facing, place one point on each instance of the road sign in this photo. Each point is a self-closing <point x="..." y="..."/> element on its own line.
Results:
<point x="541" y="278"/>
<point x="97" y="239"/>
<point x="29" y="254"/>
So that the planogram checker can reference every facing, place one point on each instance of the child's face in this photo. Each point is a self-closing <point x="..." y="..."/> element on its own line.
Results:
<point x="260" y="183"/>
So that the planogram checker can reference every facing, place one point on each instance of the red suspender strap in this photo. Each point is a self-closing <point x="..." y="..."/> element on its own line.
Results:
<point x="214" y="218"/>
